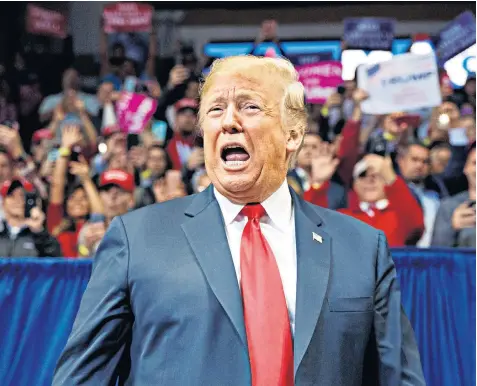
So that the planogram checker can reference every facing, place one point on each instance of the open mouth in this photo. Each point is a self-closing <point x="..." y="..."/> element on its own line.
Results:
<point x="234" y="155"/>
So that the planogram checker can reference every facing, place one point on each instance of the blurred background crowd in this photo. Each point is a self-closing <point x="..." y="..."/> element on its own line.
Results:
<point x="69" y="163"/>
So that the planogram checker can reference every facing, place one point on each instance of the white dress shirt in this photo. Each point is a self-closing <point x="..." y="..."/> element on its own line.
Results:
<point x="278" y="227"/>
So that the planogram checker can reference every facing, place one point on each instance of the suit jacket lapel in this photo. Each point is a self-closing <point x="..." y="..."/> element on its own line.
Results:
<point x="205" y="231"/>
<point x="313" y="266"/>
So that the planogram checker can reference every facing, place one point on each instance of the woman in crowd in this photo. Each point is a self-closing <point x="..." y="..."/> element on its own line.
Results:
<point x="65" y="217"/>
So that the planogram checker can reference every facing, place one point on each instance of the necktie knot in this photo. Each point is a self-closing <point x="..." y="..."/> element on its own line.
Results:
<point x="253" y="211"/>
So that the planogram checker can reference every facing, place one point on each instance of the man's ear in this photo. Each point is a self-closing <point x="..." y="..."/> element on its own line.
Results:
<point x="294" y="140"/>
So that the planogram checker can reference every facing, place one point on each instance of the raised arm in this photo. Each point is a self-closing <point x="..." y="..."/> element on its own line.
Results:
<point x="151" y="59"/>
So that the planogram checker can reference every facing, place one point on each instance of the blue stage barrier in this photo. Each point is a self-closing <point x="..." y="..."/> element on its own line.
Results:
<point x="39" y="299"/>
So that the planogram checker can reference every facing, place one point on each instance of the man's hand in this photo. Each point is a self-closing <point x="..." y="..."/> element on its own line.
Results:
<point x="36" y="220"/>
<point x="196" y="158"/>
<point x="359" y="95"/>
<point x="179" y="74"/>
<point x="71" y="136"/>
<point x="10" y="138"/>
<point x="323" y="164"/>
<point x="93" y="233"/>
<point x="463" y="217"/>
<point x="154" y="89"/>
<point x="104" y="93"/>
<point x="138" y="155"/>
<point x="80" y="169"/>
<point x="383" y="166"/>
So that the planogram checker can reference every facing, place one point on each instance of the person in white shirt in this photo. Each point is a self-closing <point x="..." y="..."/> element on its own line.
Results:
<point x="244" y="283"/>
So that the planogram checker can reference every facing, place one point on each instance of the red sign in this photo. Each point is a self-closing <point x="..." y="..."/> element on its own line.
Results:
<point x="41" y="21"/>
<point x="127" y="17"/>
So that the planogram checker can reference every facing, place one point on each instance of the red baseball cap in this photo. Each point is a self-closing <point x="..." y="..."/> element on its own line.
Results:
<point x="41" y="134"/>
<point x="186" y="103"/>
<point x="10" y="185"/>
<point x="118" y="178"/>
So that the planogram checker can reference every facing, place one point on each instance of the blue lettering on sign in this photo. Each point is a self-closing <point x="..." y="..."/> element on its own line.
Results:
<point x="373" y="70"/>
<point x="406" y="79"/>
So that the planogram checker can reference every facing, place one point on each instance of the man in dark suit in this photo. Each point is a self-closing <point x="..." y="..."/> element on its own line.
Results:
<point x="244" y="283"/>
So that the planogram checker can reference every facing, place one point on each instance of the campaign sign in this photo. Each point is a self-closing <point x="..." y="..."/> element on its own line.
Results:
<point x="127" y="17"/>
<point x="404" y="83"/>
<point x="320" y="78"/>
<point x="41" y="21"/>
<point x="369" y="33"/>
<point x="455" y="37"/>
<point x="304" y="59"/>
<point x="134" y="112"/>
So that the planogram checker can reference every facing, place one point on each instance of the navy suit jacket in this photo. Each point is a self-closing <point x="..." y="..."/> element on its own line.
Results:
<point x="163" y="306"/>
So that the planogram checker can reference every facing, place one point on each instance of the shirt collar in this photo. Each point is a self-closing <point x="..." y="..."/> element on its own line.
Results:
<point x="368" y="207"/>
<point x="278" y="207"/>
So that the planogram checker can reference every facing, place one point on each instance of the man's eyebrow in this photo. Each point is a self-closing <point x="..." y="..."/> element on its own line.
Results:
<point x="239" y="96"/>
<point x="220" y="98"/>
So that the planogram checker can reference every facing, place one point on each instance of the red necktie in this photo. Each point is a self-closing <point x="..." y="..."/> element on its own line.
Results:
<point x="265" y="310"/>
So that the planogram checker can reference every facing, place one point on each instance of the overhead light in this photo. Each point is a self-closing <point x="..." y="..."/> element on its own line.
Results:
<point x="421" y="48"/>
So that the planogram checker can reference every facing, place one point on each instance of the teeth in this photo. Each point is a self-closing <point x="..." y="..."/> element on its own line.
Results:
<point x="235" y="163"/>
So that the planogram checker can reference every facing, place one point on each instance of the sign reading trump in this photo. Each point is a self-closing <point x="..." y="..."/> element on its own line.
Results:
<point x="406" y="82"/>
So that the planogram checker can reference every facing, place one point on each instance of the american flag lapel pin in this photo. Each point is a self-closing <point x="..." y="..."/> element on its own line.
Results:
<point x="317" y="238"/>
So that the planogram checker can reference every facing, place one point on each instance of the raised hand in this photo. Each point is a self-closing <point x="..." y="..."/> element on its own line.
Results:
<point x="324" y="163"/>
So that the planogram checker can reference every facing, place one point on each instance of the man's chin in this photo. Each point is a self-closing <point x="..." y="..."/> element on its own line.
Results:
<point x="236" y="183"/>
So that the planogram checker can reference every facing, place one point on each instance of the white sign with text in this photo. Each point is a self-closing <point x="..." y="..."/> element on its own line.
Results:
<point x="404" y="83"/>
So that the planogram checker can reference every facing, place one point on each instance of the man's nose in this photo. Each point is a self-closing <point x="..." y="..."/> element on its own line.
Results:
<point x="230" y="121"/>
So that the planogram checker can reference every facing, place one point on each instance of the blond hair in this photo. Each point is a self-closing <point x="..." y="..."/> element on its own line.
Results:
<point x="294" y="116"/>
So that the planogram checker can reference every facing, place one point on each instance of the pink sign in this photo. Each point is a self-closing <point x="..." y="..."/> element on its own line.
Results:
<point x="127" y="17"/>
<point x="320" y="79"/>
<point x="134" y="112"/>
<point x="42" y="21"/>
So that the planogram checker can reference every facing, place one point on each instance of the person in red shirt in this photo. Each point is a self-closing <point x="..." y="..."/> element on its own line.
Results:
<point x="383" y="200"/>
<point x="181" y="144"/>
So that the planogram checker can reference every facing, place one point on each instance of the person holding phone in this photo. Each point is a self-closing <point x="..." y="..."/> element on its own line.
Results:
<point x="22" y="232"/>
<point x="455" y="220"/>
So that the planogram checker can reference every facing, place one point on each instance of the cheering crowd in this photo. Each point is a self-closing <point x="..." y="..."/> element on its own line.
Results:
<point x="67" y="168"/>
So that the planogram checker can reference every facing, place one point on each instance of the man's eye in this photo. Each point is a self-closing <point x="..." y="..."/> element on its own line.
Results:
<point x="215" y="109"/>
<point x="252" y="107"/>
